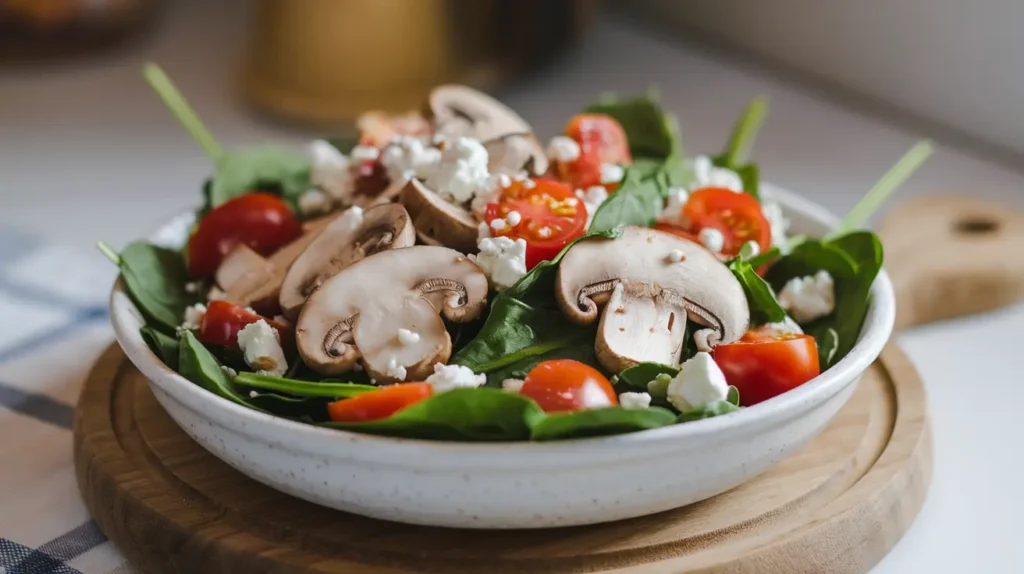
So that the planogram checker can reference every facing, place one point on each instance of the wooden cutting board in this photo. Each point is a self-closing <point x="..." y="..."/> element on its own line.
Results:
<point x="837" y="505"/>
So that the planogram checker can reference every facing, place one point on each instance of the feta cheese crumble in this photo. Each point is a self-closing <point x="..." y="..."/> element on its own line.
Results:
<point x="313" y="202"/>
<point x="612" y="173"/>
<point x="563" y="149"/>
<point x="809" y="298"/>
<point x="406" y="157"/>
<point x="712" y="239"/>
<point x="462" y="171"/>
<point x="777" y="221"/>
<point x="330" y="170"/>
<point x="364" y="153"/>
<point x="351" y="219"/>
<point x="594" y="397"/>
<point x="394" y="370"/>
<point x="193" y="317"/>
<point x="592" y="198"/>
<point x="635" y="401"/>
<point x="675" y="256"/>
<point x="407" y="337"/>
<point x="449" y="377"/>
<point x="707" y="174"/>
<point x="262" y="349"/>
<point x="513" y="218"/>
<point x="483" y="231"/>
<point x="699" y="382"/>
<point x="512" y="385"/>
<point x="502" y="260"/>
<point x="672" y="212"/>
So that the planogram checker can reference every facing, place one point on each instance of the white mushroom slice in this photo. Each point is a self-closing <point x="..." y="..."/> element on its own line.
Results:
<point x="514" y="154"/>
<point x="356" y="314"/>
<point x="463" y="111"/>
<point x="438" y="221"/>
<point x="648" y="298"/>
<point x="341" y="244"/>
<point x="244" y="277"/>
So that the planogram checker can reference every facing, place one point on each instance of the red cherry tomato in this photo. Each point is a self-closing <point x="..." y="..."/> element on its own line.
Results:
<point x="602" y="140"/>
<point x="550" y="217"/>
<point x="765" y="363"/>
<point x="567" y="385"/>
<point x="376" y="405"/>
<point x="737" y="215"/>
<point x="223" y="321"/>
<point x="371" y="178"/>
<point x="261" y="221"/>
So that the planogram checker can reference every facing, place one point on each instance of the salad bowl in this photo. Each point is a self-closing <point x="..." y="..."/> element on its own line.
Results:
<point x="512" y="485"/>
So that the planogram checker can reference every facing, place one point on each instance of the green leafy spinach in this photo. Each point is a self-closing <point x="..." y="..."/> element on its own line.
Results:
<point x="764" y="308"/>
<point x="165" y="346"/>
<point x="198" y="365"/>
<point x="599" y="422"/>
<point x="154" y="278"/>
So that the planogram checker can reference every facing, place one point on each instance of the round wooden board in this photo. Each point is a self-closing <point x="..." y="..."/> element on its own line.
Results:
<point x="837" y="505"/>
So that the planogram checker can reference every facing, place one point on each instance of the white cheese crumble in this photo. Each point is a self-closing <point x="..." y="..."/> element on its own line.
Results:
<point x="512" y="385"/>
<point x="449" y="377"/>
<point x="777" y="221"/>
<point x="490" y="193"/>
<point x="351" y="219"/>
<point x="699" y="382"/>
<point x="364" y="153"/>
<point x="394" y="370"/>
<point x="483" y="231"/>
<point x="193" y="317"/>
<point x="809" y="298"/>
<point x="594" y="397"/>
<point x="330" y="170"/>
<point x="262" y="349"/>
<point x="253" y="394"/>
<point x="563" y="149"/>
<point x="313" y="202"/>
<point x="407" y="337"/>
<point x="787" y="325"/>
<point x="462" y="171"/>
<point x="712" y="239"/>
<point x="193" y="287"/>
<point x="592" y="198"/>
<point x="502" y="260"/>
<point x="498" y="224"/>
<point x="513" y="218"/>
<point x="635" y="401"/>
<point x="675" y="256"/>
<point x="406" y="157"/>
<point x="707" y="174"/>
<point x="612" y="173"/>
<point x="672" y="212"/>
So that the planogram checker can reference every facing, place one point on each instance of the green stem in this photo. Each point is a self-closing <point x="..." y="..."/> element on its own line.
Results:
<point x="517" y="356"/>
<point x="876" y="196"/>
<point x="107" y="250"/>
<point x="302" y="388"/>
<point x="181" y="109"/>
<point x="745" y="132"/>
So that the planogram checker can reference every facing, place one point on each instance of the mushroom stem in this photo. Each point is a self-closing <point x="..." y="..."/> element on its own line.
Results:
<point x="641" y="323"/>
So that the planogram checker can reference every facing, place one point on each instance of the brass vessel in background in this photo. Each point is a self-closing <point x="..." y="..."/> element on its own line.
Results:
<point x="327" y="61"/>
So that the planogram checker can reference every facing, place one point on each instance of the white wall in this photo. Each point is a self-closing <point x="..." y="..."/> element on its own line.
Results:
<point x="956" y="62"/>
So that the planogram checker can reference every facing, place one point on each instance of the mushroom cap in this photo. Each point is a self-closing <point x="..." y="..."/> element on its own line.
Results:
<point x="356" y="314"/>
<point x="462" y="111"/>
<point x="385" y="226"/>
<point x="649" y="297"/>
<point x="514" y="153"/>
<point x="439" y="221"/>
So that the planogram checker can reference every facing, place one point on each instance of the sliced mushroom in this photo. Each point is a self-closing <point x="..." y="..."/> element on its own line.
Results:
<point x="463" y="111"/>
<point x="515" y="153"/>
<point x="356" y="315"/>
<point x="341" y="244"/>
<point x="246" y="277"/>
<point x="438" y="221"/>
<point x="649" y="292"/>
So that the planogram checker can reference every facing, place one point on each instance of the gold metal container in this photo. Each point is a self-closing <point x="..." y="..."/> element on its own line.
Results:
<point x="327" y="61"/>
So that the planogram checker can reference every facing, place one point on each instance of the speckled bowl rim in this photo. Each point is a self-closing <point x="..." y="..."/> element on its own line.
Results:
<point x="874" y="336"/>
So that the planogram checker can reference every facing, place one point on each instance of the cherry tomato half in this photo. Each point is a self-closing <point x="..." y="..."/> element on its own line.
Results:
<point x="737" y="215"/>
<point x="223" y="321"/>
<point x="765" y="363"/>
<point x="602" y="140"/>
<point x="261" y="221"/>
<point x="567" y="385"/>
<point x="550" y="217"/>
<point x="376" y="405"/>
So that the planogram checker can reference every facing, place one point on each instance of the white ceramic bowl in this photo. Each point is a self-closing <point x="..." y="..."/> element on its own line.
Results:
<point x="517" y="485"/>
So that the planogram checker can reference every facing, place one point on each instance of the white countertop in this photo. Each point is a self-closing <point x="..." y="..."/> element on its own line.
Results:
<point x="87" y="153"/>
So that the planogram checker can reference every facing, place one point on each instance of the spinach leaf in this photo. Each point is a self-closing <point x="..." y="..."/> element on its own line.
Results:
<point x="707" y="411"/>
<point x="247" y="169"/>
<point x="764" y="308"/>
<point x="582" y="352"/>
<point x="306" y="409"/>
<point x="599" y="422"/>
<point x="155" y="279"/>
<point x="164" y="346"/>
<point x="649" y="130"/>
<point x="198" y="365"/>
<point x="302" y="388"/>
<point x="636" y="202"/>
<point x="635" y="378"/>
<point x="828" y="344"/>
<point x="459" y="415"/>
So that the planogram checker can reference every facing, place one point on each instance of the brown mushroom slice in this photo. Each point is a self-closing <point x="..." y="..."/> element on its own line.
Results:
<point x="649" y="293"/>
<point x="383" y="227"/>
<point x="438" y="221"/>
<point x="514" y="154"/>
<point x="463" y="111"/>
<point x="356" y="315"/>
<point x="245" y="277"/>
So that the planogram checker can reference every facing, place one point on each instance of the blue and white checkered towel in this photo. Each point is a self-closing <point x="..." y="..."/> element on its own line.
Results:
<point x="53" y="326"/>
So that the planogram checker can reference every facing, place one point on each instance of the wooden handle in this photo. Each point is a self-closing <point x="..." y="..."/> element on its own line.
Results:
<point x="953" y="256"/>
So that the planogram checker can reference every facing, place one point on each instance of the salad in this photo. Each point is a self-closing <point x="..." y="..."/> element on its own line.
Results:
<point x="448" y="276"/>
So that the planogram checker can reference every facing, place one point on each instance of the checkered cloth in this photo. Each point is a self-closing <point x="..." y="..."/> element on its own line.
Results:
<point x="53" y="326"/>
